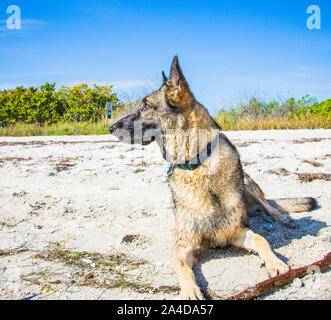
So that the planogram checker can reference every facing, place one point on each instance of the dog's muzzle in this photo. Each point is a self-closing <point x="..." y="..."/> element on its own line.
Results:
<point x="113" y="128"/>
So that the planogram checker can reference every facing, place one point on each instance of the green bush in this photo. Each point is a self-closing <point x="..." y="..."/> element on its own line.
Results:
<point x="322" y="109"/>
<point x="292" y="108"/>
<point x="46" y="105"/>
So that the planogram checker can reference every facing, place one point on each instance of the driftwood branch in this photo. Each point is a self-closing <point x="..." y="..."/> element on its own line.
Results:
<point x="271" y="284"/>
<point x="10" y="252"/>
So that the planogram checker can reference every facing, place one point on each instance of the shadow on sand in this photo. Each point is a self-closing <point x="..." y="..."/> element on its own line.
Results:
<point x="276" y="234"/>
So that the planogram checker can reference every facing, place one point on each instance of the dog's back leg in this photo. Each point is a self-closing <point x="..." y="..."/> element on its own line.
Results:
<point x="280" y="216"/>
<point x="251" y="241"/>
<point x="184" y="261"/>
<point x="255" y="196"/>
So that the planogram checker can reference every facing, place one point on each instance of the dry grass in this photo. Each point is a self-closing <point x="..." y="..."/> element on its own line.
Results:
<point x="305" y="140"/>
<point x="97" y="271"/>
<point x="279" y="172"/>
<point x="309" y="177"/>
<point x="314" y="163"/>
<point x="14" y="251"/>
<point x="272" y="157"/>
<point x="98" y="128"/>
<point x="274" y="124"/>
<point x="139" y="170"/>
<point x="245" y="144"/>
<point x="65" y="164"/>
<point x="69" y="128"/>
<point x="15" y="159"/>
<point x="303" y="177"/>
<point x="247" y="163"/>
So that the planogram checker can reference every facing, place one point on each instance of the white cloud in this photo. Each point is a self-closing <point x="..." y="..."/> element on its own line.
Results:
<point x="32" y="74"/>
<point x="238" y="79"/>
<point x="123" y="85"/>
<point x="33" y="22"/>
<point x="295" y="74"/>
<point x="7" y="86"/>
<point x="306" y="72"/>
<point x="26" y="24"/>
<point x="133" y="84"/>
<point x="118" y="85"/>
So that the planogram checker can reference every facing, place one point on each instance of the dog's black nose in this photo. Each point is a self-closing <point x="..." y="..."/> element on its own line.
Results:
<point x="112" y="128"/>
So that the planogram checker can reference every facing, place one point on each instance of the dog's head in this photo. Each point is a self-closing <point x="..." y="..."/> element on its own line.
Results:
<point x="162" y="110"/>
<point x="171" y="116"/>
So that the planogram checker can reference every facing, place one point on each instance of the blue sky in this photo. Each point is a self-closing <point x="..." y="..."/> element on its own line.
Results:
<point x="229" y="50"/>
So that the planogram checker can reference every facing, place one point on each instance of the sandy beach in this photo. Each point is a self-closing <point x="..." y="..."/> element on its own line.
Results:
<point x="88" y="217"/>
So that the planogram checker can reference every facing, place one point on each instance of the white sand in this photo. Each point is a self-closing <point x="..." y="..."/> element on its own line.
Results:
<point x="107" y="194"/>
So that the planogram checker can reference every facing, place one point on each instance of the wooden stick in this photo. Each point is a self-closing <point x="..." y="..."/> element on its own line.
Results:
<point x="271" y="284"/>
<point x="13" y="251"/>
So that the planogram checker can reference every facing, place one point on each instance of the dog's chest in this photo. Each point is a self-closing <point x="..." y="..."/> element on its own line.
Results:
<point x="198" y="211"/>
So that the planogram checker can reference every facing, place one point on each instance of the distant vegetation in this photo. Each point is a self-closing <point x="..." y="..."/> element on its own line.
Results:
<point x="301" y="113"/>
<point x="46" y="105"/>
<point x="80" y="110"/>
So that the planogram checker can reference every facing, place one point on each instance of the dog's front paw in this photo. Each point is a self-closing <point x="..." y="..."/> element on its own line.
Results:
<point x="276" y="267"/>
<point x="191" y="292"/>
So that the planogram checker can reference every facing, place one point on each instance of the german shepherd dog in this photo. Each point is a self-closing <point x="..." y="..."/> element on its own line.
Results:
<point x="211" y="193"/>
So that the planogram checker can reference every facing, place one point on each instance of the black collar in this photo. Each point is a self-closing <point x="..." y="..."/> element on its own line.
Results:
<point x="195" y="163"/>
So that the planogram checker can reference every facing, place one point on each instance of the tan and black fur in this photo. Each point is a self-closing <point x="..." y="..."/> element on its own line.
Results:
<point x="211" y="210"/>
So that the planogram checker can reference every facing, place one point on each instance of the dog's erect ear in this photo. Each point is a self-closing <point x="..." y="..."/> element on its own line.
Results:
<point x="165" y="79"/>
<point x="176" y="75"/>
<point x="178" y="92"/>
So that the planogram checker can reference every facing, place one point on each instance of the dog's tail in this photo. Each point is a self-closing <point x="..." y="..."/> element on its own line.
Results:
<point x="294" y="204"/>
<point x="279" y="209"/>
